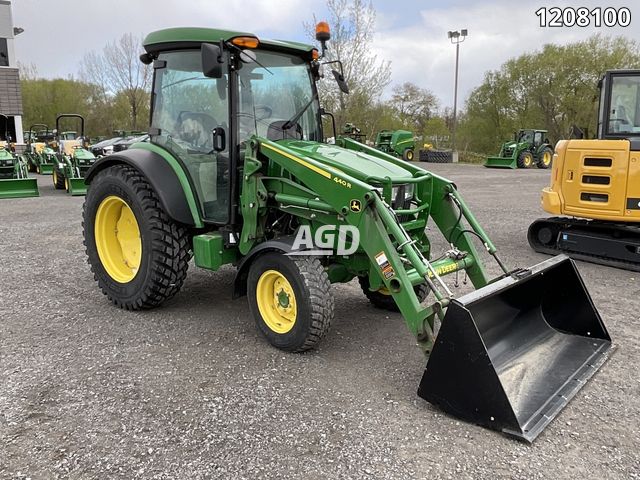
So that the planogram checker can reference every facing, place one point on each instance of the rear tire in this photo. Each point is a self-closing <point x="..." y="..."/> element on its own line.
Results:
<point x="384" y="300"/>
<point x="544" y="158"/>
<point x="165" y="248"/>
<point x="525" y="159"/>
<point x="290" y="299"/>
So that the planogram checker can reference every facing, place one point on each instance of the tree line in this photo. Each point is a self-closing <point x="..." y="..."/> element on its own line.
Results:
<point x="111" y="91"/>
<point x="553" y="88"/>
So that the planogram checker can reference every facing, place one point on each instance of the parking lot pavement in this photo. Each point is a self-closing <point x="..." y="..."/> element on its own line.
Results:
<point x="191" y="390"/>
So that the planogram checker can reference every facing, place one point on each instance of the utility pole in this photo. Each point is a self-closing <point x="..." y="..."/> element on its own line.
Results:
<point x="456" y="38"/>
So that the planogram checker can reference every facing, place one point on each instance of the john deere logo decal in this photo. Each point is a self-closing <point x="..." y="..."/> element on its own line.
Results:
<point x="355" y="206"/>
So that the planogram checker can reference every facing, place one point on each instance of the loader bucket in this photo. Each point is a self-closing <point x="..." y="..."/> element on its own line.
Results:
<point x="18" y="188"/>
<point x="77" y="186"/>
<point x="45" y="169"/>
<point x="511" y="355"/>
<point x="500" y="162"/>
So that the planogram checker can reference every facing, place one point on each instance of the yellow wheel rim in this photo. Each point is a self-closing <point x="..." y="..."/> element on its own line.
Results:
<point x="66" y="184"/>
<point x="276" y="301"/>
<point x="55" y="178"/>
<point x="118" y="240"/>
<point x="546" y="158"/>
<point x="410" y="155"/>
<point x="528" y="160"/>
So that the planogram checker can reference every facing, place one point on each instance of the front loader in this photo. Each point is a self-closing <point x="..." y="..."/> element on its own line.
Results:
<point x="14" y="173"/>
<point x="73" y="158"/>
<point x="236" y="172"/>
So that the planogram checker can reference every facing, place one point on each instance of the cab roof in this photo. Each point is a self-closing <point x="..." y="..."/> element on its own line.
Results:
<point x="172" y="37"/>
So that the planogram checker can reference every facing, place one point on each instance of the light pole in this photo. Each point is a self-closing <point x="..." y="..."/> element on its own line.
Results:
<point x="456" y="38"/>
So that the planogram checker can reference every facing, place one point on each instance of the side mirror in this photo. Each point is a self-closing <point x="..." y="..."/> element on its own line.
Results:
<point x="211" y="60"/>
<point x="342" y="83"/>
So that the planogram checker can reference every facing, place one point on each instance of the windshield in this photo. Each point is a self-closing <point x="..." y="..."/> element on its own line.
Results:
<point x="624" y="111"/>
<point x="274" y="90"/>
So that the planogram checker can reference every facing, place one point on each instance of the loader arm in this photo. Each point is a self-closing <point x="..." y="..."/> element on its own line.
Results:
<point x="390" y="249"/>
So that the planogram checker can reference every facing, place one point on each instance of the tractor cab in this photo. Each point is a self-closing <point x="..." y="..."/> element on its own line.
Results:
<point x="619" y="109"/>
<point x="211" y="97"/>
<point x="533" y="137"/>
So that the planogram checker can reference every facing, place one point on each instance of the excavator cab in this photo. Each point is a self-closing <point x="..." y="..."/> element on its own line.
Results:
<point x="595" y="184"/>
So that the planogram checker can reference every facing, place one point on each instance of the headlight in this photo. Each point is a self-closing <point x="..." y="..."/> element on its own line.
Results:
<point x="402" y="193"/>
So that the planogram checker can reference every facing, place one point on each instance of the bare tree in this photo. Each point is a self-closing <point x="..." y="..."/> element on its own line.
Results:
<point x="118" y="70"/>
<point x="352" y="30"/>
<point x="28" y="71"/>
<point x="414" y="105"/>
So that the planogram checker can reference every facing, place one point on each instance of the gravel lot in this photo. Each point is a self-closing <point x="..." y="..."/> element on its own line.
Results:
<point x="191" y="390"/>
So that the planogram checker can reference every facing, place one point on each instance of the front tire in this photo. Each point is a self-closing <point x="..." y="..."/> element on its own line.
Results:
<point x="290" y="299"/>
<point x="138" y="255"/>
<point x="58" y="179"/>
<point x="525" y="160"/>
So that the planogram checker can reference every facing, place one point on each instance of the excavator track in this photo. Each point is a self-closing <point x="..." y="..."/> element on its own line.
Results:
<point x="605" y="243"/>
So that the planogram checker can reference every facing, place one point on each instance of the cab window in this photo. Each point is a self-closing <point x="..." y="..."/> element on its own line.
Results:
<point x="624" y="110"/>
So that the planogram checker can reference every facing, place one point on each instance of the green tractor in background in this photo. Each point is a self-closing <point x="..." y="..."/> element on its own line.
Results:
<point x="73" y="158"/>
<point x="351" y="131"/>
<point x="400" y="143"/>
<point x="40" y="152"/>
<point x="236" y="172"/>
<point x="528" y="148"/>
<point x="14" y="172"/>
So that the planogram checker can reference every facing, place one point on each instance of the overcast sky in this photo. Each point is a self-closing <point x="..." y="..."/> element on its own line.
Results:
<point x="411" y="34"/>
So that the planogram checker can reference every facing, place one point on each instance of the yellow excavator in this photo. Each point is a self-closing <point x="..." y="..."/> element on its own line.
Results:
<point x="595" y="184"/>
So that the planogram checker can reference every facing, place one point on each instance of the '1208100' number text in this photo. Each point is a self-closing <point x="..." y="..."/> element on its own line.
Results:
<point x="584" y="17"/>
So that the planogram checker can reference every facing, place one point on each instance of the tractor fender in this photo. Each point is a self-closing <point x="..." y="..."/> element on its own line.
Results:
<point x="159" y="174"/>
<point x="282" y="245"/>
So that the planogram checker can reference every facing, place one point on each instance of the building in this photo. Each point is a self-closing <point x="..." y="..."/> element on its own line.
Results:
<point x="10" y="92"/>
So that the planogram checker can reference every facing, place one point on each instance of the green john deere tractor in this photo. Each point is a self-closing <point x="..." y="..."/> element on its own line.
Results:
<point x="236" y="172"/>
<point x="528" y="148"/>
<point x="73" y="158"/>
<point x="40" y="152"/>
<point x="396" y="142"/>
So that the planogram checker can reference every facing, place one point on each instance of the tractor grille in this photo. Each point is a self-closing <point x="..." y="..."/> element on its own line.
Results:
<point x="83" y="169"/>
<point x="402" y="201"/>
<point x="508" y="152"/>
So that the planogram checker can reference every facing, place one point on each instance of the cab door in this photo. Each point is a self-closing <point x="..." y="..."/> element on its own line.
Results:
<point x="190" y="119"/>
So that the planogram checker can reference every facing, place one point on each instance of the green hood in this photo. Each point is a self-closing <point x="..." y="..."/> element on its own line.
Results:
<point x="5" y="154"/>
<point x="82" y="154"/>
<point x="355" y="164"/>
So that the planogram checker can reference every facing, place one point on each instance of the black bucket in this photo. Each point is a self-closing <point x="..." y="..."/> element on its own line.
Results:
<point x="511" y="355"/>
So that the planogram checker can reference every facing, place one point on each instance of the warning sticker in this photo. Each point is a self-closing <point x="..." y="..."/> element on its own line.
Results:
<point x="381" y="259"/>
<point x="385" y="266"/>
